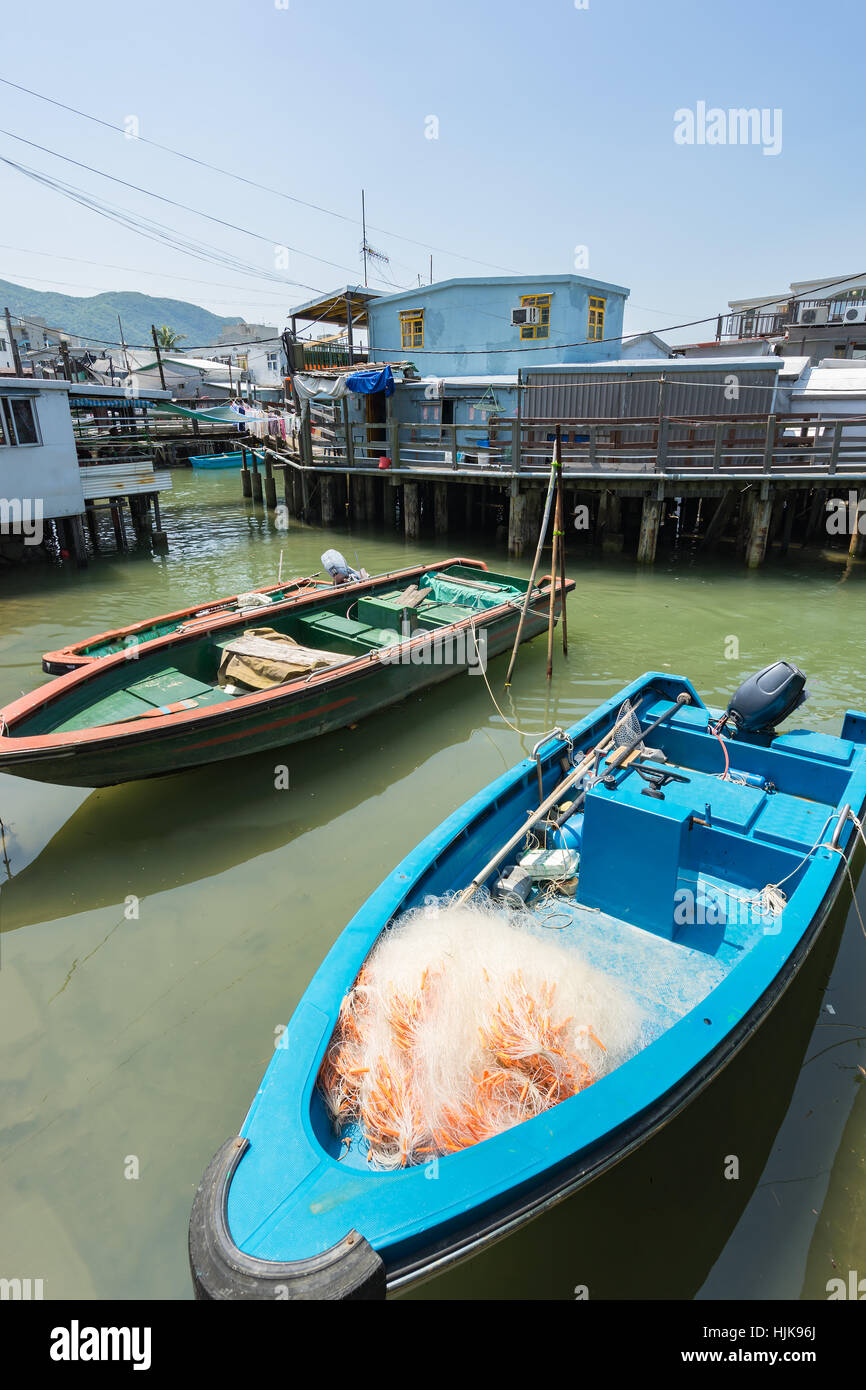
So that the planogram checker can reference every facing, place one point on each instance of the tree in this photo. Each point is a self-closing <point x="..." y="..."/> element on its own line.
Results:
<point x="168" y="339"/>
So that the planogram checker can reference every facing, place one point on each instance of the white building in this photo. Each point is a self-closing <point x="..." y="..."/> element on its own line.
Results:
<point x="38" y="458"/>
<point x="254" y="350"/>
<point x="41" y="477"/>
<point x="187" y="378"/>
<point x="7" y="361"/>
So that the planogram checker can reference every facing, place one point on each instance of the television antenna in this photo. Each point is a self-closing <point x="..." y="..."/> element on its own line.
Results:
<point x="367" y="251"/>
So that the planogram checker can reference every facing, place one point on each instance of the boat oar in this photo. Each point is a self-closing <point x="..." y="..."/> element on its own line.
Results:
<point x="556" y="795"/>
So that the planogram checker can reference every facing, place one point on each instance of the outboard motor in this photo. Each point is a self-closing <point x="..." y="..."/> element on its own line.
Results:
<point x="339" y="568"/>
<point x="766" y="699"/>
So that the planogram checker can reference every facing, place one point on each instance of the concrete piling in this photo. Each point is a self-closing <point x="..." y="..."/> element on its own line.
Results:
<point x="329" y="499"/>
<point x="759" y="531"/>
<point x="411" y="511"/>
<point x="440" y="509"/>
<point x="649" y="530"/>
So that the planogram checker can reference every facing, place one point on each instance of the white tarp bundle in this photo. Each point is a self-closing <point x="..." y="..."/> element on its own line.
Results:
<point x="310" y="387"/>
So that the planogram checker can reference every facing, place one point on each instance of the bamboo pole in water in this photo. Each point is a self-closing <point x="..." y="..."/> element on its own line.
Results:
<point x="527" y="597"/>
<point x="554" y="562"/>
<point x="559" y="524"/>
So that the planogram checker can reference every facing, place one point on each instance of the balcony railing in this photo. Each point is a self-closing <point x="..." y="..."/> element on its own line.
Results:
<point x="800" y="313"/>
<point x="792" y="446"/>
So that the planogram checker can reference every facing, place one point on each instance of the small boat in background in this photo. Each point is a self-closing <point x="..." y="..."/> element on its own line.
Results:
<point x="242" y="682"/>
<point x="231" y="460"/>
<point x="529" y="997"/>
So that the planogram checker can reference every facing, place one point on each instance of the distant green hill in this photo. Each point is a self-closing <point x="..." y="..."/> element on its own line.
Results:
<point x="96" y="315"/>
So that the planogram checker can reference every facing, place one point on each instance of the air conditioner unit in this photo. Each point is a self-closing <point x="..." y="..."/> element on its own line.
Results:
<point x="855" y="314"/>
<point x="519" y="317"/>
<point x="821" y="314"/>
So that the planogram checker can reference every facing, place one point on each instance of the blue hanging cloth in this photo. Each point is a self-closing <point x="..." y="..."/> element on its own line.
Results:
<point x="368" y="381"/>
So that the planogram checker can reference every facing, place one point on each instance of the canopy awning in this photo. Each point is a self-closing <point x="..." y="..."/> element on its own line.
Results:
<point x="332" y="307"/>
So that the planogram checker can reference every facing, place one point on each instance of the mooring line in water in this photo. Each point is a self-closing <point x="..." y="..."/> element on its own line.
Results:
<point x="524" y="733"/>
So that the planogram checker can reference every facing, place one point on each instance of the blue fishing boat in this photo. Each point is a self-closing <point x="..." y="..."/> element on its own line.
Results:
<point x="231" y="460"/>
<point x="678" y="861"/>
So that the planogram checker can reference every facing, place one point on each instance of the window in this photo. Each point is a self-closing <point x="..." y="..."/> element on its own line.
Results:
<point x="595" y="327"/>
<point x="542" y="303"/>
<point x="412" y="328"/>
<point x="17" y="421"/>
<point x="2" y="344"/>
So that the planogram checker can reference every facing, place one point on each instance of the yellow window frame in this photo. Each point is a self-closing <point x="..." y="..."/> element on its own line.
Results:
<point x="542" y="303"/>
<point x="412" y="328"/>
<point x="595" y="322"/>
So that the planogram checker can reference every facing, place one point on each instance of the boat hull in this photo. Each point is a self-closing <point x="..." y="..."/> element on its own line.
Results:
<point x="488" y="1190"/>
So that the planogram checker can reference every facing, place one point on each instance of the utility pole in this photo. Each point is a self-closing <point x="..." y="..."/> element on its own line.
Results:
<point x="123" y="344"/>
<point x="16" y="357"/>
<point x="158" y="357"/>
<point x="64" y="353"/>
<point x="364" y="234"/>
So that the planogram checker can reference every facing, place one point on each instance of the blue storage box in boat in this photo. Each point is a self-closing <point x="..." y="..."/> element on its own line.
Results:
<point x="550" y="864"/>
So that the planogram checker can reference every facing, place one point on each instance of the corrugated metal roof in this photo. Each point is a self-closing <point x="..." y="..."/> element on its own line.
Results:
<point x="847" y="380"/>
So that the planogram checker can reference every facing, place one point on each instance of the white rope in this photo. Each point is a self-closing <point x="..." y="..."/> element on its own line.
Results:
<point x="846" y="860"/>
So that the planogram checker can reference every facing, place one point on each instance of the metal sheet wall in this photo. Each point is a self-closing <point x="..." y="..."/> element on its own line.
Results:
<point x="632" y="395"/>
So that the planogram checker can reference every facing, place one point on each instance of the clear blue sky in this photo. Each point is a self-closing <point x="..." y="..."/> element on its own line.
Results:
<point x="555" y="130"/>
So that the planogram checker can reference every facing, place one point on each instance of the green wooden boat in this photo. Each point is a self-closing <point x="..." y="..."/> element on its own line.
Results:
<point x="267" y="679"/>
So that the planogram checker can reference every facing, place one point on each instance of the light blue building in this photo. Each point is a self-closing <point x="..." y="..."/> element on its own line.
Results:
<point x="484" y="325"/>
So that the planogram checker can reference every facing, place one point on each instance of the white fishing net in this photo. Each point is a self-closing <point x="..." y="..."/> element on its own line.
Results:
<point x="464" y="1022"/>
<point x="627" y="729"/>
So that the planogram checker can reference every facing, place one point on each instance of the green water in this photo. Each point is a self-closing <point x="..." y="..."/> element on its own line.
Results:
<point x="145" y="1038"/>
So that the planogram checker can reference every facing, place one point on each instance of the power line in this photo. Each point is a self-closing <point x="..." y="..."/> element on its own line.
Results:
<point x="173" y="202"/>
<point x="252" y="183"/>
<point x="153" y="230"/>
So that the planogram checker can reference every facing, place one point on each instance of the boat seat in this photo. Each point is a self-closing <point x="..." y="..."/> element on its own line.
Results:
<point x="153" y="695"/>
<point x="168" y="685"/>
<point x="334" y="625"/>
<point x="443" y="614"/>
<point x="360" y="635"/>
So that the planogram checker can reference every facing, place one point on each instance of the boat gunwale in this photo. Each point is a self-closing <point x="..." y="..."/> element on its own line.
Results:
<point x="75" y="653"/>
